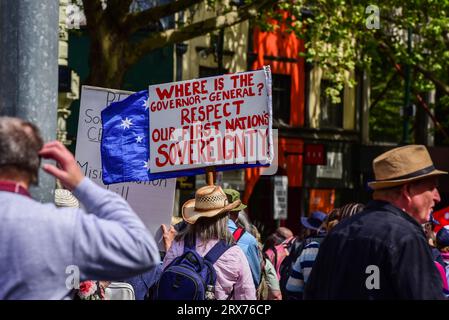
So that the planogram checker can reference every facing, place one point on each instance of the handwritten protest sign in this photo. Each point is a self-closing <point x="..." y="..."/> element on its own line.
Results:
<point x="211" y="121"/>
<point x="151" y="200"/>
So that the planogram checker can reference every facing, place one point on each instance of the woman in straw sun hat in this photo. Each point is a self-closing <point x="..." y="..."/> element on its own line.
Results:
<point x="207" y="222"/>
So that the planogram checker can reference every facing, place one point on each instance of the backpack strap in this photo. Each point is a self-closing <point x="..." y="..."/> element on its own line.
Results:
<point x="275" y="262"/>
<point x="217" y="250"/>
<point x="238" y="233"/>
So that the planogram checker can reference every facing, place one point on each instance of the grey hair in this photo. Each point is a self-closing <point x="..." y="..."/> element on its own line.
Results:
<point x="206" y="229"/>
<point x="339" y="214"/>
<point x="244" y="221"/>
<point x="20" y="143"/>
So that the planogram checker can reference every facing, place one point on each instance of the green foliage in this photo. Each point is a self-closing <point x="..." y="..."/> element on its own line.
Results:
<point x="339" y="36"/>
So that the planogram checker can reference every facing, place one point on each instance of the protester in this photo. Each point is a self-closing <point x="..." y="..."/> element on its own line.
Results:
<point x="429" y="228"/>
<point x="44" y="250"/>
<point x="303" y="266"/>
<point x="442" y="243"/>
<point x="89" y="289"/>
<point x="268" y="288"/>
<point x="382" y="252"/>
<point x="277" y="246"/>
<point x="271" y="242"/>
<point x="246" y="241"/>
<point x="284" y="232"/>
<point x="310" y="232"/>
<point x="207" y="221"/>
<point x="269" y="284"/>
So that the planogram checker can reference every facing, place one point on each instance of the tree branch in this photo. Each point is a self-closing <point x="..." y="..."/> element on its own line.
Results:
<point x="417" y="95"/>
<point x="93" y="12"/>
<point x="431" y="76"/>
<point x="426" y="73"/>
<point x="161" y="39"/>
<point x="384" y="91"/>
<point x="118" y="9"/>
<point x="135" y="21"/>
<point x="445" y="35"/>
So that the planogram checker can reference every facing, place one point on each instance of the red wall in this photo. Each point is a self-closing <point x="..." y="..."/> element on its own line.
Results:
<point x="281" y="44"/>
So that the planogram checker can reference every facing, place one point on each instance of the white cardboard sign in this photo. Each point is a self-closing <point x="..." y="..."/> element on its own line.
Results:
<point x="152" y="201"/>
<point x="211" y="121"/>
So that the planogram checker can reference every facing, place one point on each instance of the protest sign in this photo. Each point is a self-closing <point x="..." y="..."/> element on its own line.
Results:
<point x="280" y="199"/>
<point x="151" y="200"/>
<point x="211" y="121"/>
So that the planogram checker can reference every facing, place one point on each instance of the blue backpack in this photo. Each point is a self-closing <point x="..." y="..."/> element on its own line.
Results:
<point x="190" y="276"/>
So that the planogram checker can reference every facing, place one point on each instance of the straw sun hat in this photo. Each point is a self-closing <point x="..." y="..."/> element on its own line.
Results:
<point x="402" y="165"/>
<point x="209" y="201"/>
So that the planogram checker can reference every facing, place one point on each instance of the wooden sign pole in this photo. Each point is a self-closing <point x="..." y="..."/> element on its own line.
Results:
<point x="210" y="176"/>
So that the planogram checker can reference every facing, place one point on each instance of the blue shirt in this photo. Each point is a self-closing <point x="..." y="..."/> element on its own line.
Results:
<point x="143" y="282"/>
<point x="249" y="246"/>
<point x="45" y="250"/>
<point x="301" y="270"/>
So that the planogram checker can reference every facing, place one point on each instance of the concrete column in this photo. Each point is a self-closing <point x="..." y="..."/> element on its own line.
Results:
<point x="29" y="69"/>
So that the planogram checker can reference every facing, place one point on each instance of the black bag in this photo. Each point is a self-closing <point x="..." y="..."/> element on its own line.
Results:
<point x="286" y="267"/>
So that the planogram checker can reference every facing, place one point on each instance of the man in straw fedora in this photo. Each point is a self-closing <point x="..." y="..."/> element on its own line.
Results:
<point x="207" y="223"/>
<point x="382" y="252"/>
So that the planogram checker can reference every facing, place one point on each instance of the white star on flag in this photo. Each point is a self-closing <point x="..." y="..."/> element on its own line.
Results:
<point x="139" y="139"/>
<point x="146" y="104"/>
<point x="147" y="164"/>
<point x="126" y="123"/>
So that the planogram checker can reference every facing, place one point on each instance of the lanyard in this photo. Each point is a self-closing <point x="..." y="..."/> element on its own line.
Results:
<point x="14" y="187"/>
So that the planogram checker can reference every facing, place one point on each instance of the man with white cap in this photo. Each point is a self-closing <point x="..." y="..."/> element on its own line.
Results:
<point x="382" y="252"/>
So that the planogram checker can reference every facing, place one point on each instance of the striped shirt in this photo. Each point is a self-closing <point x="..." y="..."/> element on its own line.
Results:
<point x="301" y="270"/>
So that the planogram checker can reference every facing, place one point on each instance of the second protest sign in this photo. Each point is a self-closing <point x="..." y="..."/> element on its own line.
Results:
<point x="211" y="121"/>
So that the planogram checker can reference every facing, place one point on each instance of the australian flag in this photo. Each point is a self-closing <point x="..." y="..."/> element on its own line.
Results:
<point x="125" y="151"/>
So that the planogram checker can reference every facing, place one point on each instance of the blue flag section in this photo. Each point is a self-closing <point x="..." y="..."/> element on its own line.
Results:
<point x="125" y="144"/>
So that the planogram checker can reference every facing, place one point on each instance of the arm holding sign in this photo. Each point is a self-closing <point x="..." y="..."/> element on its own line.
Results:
<point x="112" y="243"/>
<point x="168" y="236"/>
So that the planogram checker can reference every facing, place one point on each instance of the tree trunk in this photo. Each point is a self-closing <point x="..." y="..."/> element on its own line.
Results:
<point x="107" y="60"/>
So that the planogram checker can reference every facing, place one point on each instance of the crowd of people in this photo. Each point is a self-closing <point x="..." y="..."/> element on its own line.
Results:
<point x="386" y="249"/>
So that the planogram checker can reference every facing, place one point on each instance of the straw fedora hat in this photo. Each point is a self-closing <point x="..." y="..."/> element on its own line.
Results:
<point x="209" y="201"/>
<point x="402" y="165"/>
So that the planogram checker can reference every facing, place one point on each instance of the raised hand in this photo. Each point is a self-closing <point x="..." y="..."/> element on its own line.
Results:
<point x="66" y="170"/>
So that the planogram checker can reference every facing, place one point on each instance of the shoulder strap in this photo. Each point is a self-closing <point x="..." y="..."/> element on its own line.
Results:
<point x="217" y="250"/>
<point x="238" y="233"/>
<point x="275" y="260"/>
<point x="297" y="250"/>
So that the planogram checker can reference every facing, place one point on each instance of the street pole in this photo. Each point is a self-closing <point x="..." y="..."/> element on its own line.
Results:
<point x="29" y="70"/>
<point x="406" y="110"/>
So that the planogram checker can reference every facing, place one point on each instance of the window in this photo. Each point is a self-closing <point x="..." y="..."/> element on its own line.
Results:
<point x="210" y="72"/>
<point x="281" y="99"/>
<point x="331" y="115"/>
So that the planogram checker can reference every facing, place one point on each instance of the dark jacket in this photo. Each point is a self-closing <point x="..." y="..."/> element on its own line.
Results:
<point x="381" y="240"/>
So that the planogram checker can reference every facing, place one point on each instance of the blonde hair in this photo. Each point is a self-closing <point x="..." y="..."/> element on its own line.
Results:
<point x="206" y="229"/>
